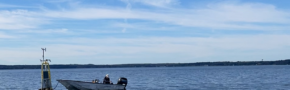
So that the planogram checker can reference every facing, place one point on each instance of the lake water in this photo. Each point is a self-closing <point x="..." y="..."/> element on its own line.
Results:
<point x="162" y="78"/>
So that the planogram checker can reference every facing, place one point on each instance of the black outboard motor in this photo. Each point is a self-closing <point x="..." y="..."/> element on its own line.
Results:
<point x="123" y="81"/>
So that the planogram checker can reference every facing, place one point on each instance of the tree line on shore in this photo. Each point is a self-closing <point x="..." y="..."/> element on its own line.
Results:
<point x="220" y="63"/>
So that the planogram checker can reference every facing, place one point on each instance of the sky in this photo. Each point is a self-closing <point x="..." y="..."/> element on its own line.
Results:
<point x="143" y="31"/>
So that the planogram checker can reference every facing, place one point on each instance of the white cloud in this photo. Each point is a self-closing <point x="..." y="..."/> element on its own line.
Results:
<point x="3" y="5"/>
<point x="231" y="16"/>
<point x="19" y="19"/>
<point x="124" y="25"/>
<point x="158" y="49"/>
<point x="228" y="42"/>
<point x="18" y="55"/>
<point x="227" y="16"/>
<point x="63" y="30"/>
<point x="156" y="3"/>
<point x="91" y="13"/>
<point x="243" y="13"/>
<point x="4" y="35"/>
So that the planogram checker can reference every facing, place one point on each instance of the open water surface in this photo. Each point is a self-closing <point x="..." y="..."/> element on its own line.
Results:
<point x="272" y="77"/>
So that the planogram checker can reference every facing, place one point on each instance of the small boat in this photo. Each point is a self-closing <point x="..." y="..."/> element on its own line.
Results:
<point x="95" y="85"/>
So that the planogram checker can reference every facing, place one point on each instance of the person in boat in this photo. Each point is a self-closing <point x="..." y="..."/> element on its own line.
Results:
<point x="107" y="79"/>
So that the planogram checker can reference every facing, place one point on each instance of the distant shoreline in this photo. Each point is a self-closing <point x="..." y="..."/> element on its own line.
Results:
<point x="221" y="63"/>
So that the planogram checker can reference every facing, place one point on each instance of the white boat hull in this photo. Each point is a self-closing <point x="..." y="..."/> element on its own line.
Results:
<point x="80" y="85"/>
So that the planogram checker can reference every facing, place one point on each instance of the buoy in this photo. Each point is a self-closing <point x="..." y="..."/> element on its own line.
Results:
<point x="45" y="73"/>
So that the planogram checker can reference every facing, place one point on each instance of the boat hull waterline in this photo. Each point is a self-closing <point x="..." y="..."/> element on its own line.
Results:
<point x="80" y="85"/>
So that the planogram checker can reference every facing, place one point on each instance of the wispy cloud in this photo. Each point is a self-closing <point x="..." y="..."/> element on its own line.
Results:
<point x="47" y="31"/>
<point x="19" y="19"/>
<point x="239" y="16"/>
<point x="193" y="48"/>
<point x="91" y="13"/>
<point x="156" y="3"/>
<point x="97" y="32"/>
<point x="231" y="16"/>
<point x="4" y="35"/>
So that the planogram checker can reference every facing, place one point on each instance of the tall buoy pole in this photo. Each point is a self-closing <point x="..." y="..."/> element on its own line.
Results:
<point x="45" y="73"/>
<point x="43" y="49"/>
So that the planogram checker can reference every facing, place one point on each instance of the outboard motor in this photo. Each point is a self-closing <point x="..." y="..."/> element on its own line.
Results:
<point x="122" y="81"/>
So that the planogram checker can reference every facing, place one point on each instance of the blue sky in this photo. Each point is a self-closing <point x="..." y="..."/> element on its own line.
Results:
<point x="143" y="31"/>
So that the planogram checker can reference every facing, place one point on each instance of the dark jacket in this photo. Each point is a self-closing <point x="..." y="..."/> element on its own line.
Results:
<point x="106" y="80"/>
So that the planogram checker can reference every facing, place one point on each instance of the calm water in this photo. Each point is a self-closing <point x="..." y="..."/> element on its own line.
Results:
<point x="162" y="78"/>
